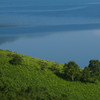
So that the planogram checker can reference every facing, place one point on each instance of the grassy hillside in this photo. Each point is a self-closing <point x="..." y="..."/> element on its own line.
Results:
<point x="34" y="79"/>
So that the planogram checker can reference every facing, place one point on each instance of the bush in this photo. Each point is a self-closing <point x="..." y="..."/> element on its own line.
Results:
<point x="43" y="65"/>
<point x="17" y="60"/>
<point x="55" y="68"/>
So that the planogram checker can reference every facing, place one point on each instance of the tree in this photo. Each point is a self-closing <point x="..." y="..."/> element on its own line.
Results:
<point x="86" y="75"/>
<point x="94" y="66"/>
<point x="17" y="60"/>
<point x="71" y="70"/>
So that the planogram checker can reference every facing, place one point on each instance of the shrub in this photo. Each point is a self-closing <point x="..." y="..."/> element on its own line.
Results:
<point x="17" y="60"/>
<point x="55" y="68"/>
<point x="43" y="65"/>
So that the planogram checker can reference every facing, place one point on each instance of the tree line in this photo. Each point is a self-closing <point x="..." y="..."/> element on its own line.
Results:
<point x="71" y="71"/>
<point x="90" y="73"/>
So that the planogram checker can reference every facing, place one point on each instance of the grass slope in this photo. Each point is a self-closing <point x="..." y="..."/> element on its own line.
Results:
<point x="32" y="81"/>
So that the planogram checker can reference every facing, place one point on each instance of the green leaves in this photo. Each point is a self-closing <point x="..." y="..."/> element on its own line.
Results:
<point x="17" y="60"/>
<point x="94" y="66"/>
<point x="71" y="70"/>
<point x="86" y="75"/>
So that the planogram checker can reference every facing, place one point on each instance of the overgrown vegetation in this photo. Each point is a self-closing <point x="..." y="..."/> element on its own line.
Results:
<point x="89" y="74"/>
<point x="16" y="60"/>
<point x="26" y="78"/>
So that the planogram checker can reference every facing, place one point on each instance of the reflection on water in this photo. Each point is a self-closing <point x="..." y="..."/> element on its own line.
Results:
<point x="80" y="46"/>
<point x="6" y="39"/>
<point x="43" y="30"/>
<point x="59" y="30"/>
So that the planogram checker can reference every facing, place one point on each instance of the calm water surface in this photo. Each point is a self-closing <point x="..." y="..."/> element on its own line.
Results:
<point x="55" y="30"/>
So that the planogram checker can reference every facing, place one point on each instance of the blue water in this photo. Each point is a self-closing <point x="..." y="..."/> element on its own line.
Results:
<point x="55" y="30"/>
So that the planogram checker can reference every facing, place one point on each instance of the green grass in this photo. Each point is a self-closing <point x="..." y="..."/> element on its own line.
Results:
<point x="34" y="80"/>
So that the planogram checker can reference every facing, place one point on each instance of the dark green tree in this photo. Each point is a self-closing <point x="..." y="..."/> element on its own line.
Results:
<point x="94" y="66"/>
<point x="16" y="60"/>
<point x="86" y="75"/>
<point x="71" y="70"/>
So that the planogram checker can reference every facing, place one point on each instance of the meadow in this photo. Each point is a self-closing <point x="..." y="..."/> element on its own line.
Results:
<point x="35" y="79"/>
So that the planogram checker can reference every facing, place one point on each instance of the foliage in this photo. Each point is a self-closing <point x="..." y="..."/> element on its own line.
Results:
<point x="55" y="68"/>
<point x="17" y="60"/>
<point x="86" y="75"/>
<point x="43" y="65"/>
<point x="71" y="70"/>
<point x="94" y="66"/>
<point x="25" y="82"/>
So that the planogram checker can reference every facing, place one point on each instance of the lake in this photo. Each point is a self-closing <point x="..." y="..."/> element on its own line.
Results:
<point x="55" y="30"/>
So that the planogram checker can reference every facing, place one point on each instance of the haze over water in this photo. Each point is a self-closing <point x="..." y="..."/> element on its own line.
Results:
<point x="55" y="30"/>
